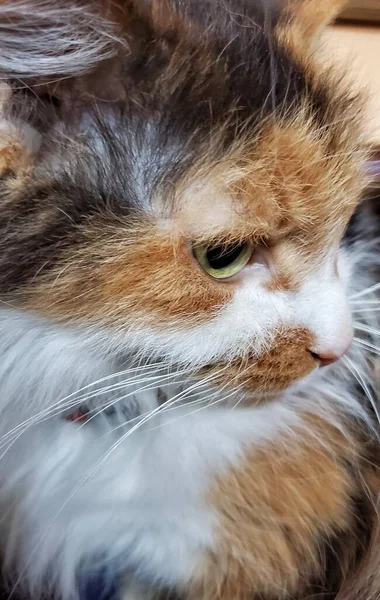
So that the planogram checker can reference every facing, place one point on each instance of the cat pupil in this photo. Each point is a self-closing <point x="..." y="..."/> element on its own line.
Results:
<point x="220" y="257"/>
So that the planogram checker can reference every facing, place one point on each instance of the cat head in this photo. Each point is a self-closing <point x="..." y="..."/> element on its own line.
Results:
<point x="180" y="178"/>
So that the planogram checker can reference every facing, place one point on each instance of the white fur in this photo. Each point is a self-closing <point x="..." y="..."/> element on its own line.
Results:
<point x="141" y="506"/>
<point x="40" y="365"/>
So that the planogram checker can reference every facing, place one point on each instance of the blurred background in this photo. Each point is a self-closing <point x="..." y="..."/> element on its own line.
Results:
<point x="363" y="10"/>
<point x="355" y="39"/>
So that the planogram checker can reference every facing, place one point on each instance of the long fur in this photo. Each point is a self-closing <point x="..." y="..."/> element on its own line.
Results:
<point x="41" y="39"/>
<point x="131" y="131"/>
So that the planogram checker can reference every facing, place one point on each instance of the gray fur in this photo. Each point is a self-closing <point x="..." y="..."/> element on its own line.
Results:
<point x="45" y="40"/>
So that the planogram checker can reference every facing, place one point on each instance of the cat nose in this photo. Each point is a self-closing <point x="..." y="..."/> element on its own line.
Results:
<point x="328" y="356"/>
<point x="325" y="360"/>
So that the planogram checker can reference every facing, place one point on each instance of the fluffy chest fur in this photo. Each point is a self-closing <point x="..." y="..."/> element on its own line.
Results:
<point x="144" y="493"/>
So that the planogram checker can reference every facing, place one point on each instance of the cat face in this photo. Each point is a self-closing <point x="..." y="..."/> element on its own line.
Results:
<point x="188" y="196"/>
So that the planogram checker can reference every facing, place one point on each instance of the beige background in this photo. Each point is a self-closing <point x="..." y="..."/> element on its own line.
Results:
<point x="359" y="49"/>
<point x="363" y="9"/>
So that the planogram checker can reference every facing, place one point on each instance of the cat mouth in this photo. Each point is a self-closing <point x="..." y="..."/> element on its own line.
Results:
<point x="286" y="362"/>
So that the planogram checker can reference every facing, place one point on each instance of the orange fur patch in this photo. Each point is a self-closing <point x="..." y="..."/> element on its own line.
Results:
<point x="276" y="511"/>
<point x="287" y="360"/>
<point x="302" y="21"/>
<point x="15" y="159"/>
<point x="119" y="277"/>
<point x="286" y="184"/>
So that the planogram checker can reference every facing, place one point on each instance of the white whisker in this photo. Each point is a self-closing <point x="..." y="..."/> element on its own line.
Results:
<point x="369" y="290"/>
<point x="208" y="405"/>
<point x="148" y="387"/>
<point x="63" y="404"/>
<point x="18" y="433"/>
<point x="360" y="379"/>
<point x="366" y="328"/>
<point x="367" y="344"/>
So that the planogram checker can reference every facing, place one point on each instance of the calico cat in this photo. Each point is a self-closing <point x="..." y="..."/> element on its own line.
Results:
<point x="183" y="407"/>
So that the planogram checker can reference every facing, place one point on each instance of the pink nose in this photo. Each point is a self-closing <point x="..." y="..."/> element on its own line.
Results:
<point x="328" y="356"/>
<point x="325" y="359"/>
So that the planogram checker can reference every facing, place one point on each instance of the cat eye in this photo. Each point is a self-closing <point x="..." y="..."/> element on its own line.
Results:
<point x="223" y="261"/>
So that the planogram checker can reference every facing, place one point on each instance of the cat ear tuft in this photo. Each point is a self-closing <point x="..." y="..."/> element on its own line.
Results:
<point x="18" y="141"/>
<point x="303" y="20"/>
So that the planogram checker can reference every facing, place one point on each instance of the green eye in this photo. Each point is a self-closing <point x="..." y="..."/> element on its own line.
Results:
<point x="224" y="261"/>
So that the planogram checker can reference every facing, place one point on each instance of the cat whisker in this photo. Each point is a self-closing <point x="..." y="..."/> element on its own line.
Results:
<point x="365" y="302"/>
<point x="341" y="398"/>
<point x="18" y="434"/>
<point x="366" y="328"/>
<point x="373" y="347"/>
<point x="365" y="310"/>
<point x="121" y="398"/>
<point x="110" y="376"/>
<point x="208" y="405"/>
<point x="166" y="409"/>
<point x="54" y="410"/>
<point x="58" y="410"/>
<point x="371" y="289"/>
<point x="360" y="379"/>
<point x="113" y="387"/>
<point x="148" y="388"/>
<point x="239" y="401"/>
<point x="133" y="393"/>
<point x="185" y="393"/>
<point x="128" y="382"/>
<point x="64" y="405"/>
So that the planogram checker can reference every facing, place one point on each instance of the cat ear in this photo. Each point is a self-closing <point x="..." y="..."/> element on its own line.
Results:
<point x="19" y="142"/>
<point x="47" y="52"/>
<point x="40" y="39"/>
<point x="302" y="21"/>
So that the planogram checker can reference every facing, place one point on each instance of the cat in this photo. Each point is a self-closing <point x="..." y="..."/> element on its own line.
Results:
<point x="184" y="244"/>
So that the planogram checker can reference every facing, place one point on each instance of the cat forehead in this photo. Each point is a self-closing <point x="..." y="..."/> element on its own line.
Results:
<point x="286" y="183"/>
<point x="221" y="83"/>
<point x="203" y="148"/>
<point x="286" y="180"/>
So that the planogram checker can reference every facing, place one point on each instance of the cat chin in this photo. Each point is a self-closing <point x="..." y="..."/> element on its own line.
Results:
<point x="318" y="375"/>
<point x="301" y="385"/>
